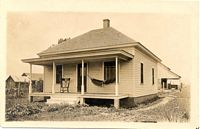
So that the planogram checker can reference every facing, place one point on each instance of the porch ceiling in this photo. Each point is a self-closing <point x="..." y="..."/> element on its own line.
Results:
<point x="73" y="58"/>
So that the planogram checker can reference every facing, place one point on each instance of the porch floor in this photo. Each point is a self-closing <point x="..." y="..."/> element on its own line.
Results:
<point x="86" y="95"/>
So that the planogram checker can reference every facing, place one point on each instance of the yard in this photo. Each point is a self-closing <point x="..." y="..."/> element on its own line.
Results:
<point x="172" y="107"/>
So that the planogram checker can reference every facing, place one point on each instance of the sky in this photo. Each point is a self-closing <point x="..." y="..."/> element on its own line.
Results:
<point x="167" y="35"/>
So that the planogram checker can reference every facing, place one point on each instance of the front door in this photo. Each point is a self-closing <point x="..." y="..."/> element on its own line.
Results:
<point x="79" y="76"/>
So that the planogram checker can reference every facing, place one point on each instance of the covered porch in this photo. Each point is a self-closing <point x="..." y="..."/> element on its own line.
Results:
<point x="170" y="83"/>
<point x="81" y="61"/>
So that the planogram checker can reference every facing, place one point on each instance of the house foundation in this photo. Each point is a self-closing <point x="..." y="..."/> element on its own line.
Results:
<point x="134" y="101"/>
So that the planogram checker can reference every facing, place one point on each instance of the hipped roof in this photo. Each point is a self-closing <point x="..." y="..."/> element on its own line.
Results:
<point x="92" y="39"/>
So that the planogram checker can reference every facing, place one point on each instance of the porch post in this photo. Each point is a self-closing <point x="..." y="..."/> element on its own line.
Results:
<point x="116" y="76"/>
<point x="116" y="103"/>
<point x="82" y="100"/>
<point x="82" y="84"/>
<point x="54" y="78"/>
<point x="30" y="84"/>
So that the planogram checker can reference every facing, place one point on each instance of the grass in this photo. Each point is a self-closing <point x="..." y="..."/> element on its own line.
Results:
<point x="176" y="110"/>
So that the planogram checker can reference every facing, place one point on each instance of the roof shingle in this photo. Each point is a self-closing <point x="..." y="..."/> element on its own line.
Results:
<point x="92" y="39"/>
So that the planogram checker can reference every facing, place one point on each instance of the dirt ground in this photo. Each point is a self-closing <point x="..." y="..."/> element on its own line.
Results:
<point x="172" y="107"/>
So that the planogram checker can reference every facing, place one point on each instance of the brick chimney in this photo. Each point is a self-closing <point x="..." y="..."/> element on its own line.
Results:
<point x="106" y="23"/>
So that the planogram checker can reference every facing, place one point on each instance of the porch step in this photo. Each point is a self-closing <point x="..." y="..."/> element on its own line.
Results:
<point x="63" y="100"/>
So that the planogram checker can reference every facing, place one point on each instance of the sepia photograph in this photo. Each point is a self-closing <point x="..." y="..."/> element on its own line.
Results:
<point x="92" y="66"/>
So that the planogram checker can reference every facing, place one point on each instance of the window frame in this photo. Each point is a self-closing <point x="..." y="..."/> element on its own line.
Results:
<point x="153" y="76"/>
<point x="61" y="74"/>
<point x="141" y="73"/>
<point x="109" y="70"/>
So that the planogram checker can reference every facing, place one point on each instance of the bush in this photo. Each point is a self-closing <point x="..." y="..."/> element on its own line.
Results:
<point x="18" y="110"/>
<point x="52" y="109"/>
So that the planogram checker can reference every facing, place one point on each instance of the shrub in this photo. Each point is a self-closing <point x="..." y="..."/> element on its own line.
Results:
<point x="52" y="109"/>
<point x="18" y="110"/>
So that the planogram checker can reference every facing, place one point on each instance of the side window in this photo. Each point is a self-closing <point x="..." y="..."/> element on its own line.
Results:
<point x="141" y="73"/>
<point x="152" y="76"/>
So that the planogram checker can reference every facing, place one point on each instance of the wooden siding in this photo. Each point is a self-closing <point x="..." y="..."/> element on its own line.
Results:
<point x="125" y="76"/>
<point x="129" y="76"/>
<point x="164" y="72"/>
<point x="130" y="50"/>
<point x="69" y="71"/>
<point x="57" y="87"/>
<point x="147" y="87"/>
<point x="48" y="74"/>
<point x="10" y="83"/>
<point x="95" y="70"/>
<point x="126" y="81"/>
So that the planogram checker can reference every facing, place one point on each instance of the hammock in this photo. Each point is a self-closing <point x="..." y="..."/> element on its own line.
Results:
<point x="101" y="83"/>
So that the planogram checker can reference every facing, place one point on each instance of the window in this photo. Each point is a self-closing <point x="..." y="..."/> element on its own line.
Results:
<point x="153" y="76"/>
<point x="141" y="74"/>
<point x="58" y="73"/>
<point x="33" y="82"/>
<point x="109" y="71"/>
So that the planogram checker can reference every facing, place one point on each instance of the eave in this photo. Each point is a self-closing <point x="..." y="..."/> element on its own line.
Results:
<point x="147" y="51"/>
<point x="89" y="56"/>
<point x="88" y="49"/>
